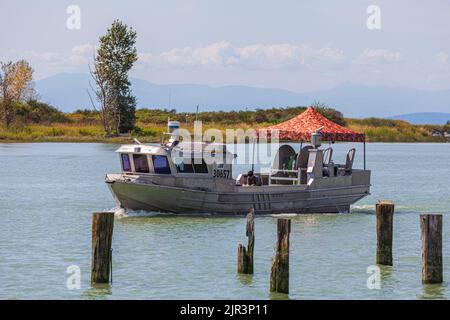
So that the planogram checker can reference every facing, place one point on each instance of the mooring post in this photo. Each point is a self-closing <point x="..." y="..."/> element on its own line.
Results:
<point x="385" y="218"/>
<point x="279" y="276"/>
<point x="102" y="231"/>
<point x="245" y="256"/>
<point x="431" y="226"/>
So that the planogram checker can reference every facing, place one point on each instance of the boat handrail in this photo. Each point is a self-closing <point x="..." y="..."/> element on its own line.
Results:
<point x="284" y="178"/>
<point x="294" y="179"/>
<point x="285" y="170"/>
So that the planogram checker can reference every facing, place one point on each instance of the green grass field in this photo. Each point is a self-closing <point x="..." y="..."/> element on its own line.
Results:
<point x="151" y="132"/>
<point x="42" y="123"/>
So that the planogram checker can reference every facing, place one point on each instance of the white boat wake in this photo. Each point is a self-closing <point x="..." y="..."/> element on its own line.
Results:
<point x="119" y="212"/>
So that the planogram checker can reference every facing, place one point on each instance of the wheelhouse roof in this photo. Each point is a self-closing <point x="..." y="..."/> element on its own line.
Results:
<point x="142" y="148"/>
<point x="196" y="149"/>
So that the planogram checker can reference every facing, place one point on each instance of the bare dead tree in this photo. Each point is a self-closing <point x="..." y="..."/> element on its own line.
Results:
<point x="101" y="94"/>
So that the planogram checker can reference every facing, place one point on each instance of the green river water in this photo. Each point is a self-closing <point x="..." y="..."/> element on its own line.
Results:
<point x="49" y="191"/>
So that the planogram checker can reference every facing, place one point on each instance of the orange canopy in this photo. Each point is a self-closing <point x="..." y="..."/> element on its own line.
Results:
<point x="302" y="126"/>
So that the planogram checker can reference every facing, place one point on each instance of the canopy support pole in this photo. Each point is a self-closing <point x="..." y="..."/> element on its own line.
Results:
<point x="253" y="157"/>
<point x="364" y="154"/>
<point x="296" y="159"/>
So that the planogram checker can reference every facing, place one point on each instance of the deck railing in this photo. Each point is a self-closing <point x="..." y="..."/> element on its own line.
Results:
<point x="295" y="179"/>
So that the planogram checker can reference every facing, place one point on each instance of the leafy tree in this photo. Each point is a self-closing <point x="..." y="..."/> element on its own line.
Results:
<point x="114" y="59"/>
<point x="330" y="113"/>
<point x="37" y="112"/>
<point x="16" y="85"/>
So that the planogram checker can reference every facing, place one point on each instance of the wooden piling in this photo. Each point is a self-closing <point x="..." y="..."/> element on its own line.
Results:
<point x="385" y="218"/>
<point x="245" y="256"/>
<point x="431" y="227"/>
<point x="102" y="231"/>
<point x="279" y="276"/>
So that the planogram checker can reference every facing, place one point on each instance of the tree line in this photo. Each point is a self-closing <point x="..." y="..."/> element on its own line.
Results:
<point x="113" y="104"/>
<point x="258" y="116"/>
<point x="110" y="91"/>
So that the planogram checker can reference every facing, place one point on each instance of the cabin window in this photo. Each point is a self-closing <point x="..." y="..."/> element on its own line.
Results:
<point x="160" y="164"/>
<point x="126" y="164"/>
<point x="185" y="166"/>
<point x="141" y="163"/>
<point x="200" y="167"/>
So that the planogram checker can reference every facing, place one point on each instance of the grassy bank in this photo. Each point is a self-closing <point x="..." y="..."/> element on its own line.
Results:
<point x="383" y="130"/>
<point x="152" y="132"/>
<point x="51" y="125"/>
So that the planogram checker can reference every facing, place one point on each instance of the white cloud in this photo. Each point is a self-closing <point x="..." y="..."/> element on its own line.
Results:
<point x="442" y="58"/>
<point x="77" y="56"/>
<point x="224" y="55"/>
<point x="219" y="54"/>
<point x="433" y="77"/>
<point x="258" y="56"/>
<point x="83" y="49"/>
<point x="374" y="56"/>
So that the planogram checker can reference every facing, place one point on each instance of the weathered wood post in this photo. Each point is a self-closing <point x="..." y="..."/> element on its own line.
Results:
<point x="102" y="231"/>
<point x="385" y="218"/>
<point x="279" y="276"/>
<point x="431" y="226"/>
<point x="245" y="256"/>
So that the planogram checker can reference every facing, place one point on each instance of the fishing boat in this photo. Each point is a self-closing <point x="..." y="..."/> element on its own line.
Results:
<point x="175" y="176"/>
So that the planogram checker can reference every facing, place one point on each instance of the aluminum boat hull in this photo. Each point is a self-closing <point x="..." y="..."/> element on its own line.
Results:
<point x="323" y="196"/>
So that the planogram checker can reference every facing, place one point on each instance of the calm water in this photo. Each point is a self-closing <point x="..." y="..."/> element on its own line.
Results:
<point x="49" y="191"/>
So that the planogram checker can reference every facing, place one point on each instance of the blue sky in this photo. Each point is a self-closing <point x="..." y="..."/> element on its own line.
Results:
<point x="296" y="45"/>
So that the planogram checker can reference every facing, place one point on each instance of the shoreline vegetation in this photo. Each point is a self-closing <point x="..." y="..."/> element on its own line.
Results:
<point x="39" y="122"/>
<point x="114" y="118"/>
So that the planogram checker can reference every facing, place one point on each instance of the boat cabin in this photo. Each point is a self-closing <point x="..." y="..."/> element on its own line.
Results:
<point x="180" y="161"/>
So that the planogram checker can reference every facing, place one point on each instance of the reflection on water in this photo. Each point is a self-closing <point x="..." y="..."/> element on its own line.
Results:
<point x="176" y="223"/>
<point x="97" y="291"/>
<point x="278" y="296"/>
<point x="433" y="291"/>
<point x="245" y="279"/>
<point x="49" y="191"/>
<point x="386" y="272"/>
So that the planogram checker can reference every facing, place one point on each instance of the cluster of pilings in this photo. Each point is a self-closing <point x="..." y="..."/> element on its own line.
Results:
<point x="279" y="275"/>
<point x="431" y="229"/>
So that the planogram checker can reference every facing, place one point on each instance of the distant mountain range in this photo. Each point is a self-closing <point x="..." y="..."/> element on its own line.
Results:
<point x="425" y="118"/>
<point x="68" y="92"/>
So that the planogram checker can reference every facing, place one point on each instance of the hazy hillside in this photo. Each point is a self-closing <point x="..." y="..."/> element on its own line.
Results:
<point x="378" y="101"/>
<point x="185" y="97"/>
<point x="69" y="92"/>
<point x="425" y="118"/>
<point x="65" y="91"/>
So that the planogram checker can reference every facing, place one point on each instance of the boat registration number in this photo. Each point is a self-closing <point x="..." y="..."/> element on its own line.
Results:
<point x="221" y="173"/>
